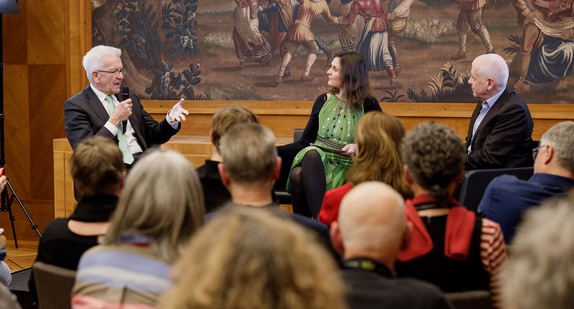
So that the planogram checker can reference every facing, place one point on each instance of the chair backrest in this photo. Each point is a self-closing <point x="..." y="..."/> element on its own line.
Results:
<point x="470" y="299"/>
<point x="475" y="182"/>
<point x="297" y="134"/>
<point x="53" y="284"/>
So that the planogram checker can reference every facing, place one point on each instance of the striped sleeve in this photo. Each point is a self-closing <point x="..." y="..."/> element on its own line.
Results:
<point x="493" y="256"/>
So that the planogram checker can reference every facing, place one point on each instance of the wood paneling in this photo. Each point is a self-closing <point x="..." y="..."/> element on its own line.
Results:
<point x="14" y="31"/>
<point x="46" y="32"/>
<point x="17" y="128"/>
<point x="47" y="117"/>
<point x="78" y="42"/>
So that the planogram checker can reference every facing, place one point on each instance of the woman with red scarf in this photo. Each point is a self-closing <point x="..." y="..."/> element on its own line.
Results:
<point x="450" y="246"/>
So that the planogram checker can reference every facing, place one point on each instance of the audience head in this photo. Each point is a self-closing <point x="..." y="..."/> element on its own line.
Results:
<point x="561" y="138"/>
<point x="94" y="59"/>
<point x="372" y="223"/>
<point x="246" y="258"/>
<point x="97" y="166"/>
<point x="434" y="156"/>
<point x="228" y="116"/>
<point x="378" y="133"/>
<point x="162" y="201"/>
<point x="354" y="78"/>
<point x="488" y="76"/>
<point x="538" y="273"/>
<point x="249" y="154"/>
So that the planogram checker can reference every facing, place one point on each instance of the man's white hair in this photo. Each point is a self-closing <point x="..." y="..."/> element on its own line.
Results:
<point x="493" y="66"/>
<point x="93" y="59"/>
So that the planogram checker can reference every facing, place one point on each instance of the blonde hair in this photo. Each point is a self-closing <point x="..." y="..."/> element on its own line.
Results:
<point x="163" y="200"/>
<point x="97" y="166"/>
<point x="378" y="136"/>
<point x="251" y="258"/>
<point x="228" y="116"/>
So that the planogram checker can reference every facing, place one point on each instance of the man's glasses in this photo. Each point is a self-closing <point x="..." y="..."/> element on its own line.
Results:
<point x="115" y="72"/>
<point x="535" y="151"/>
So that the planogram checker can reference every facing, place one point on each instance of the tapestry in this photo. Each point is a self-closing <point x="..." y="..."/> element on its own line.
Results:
<point x="236" y="49"/>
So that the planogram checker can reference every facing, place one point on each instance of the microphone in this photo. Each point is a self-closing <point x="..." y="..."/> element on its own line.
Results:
<point x="125" y="95"/>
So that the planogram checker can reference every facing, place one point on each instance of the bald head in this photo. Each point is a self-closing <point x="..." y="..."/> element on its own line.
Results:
<point x="372" y="222"/>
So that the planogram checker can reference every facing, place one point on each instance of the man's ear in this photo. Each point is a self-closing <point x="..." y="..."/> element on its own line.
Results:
<point x="277" y="171"/>
<point x="96" y="77"/>
<point x="548" y="154"/>
<point x="211" y="137"/>
<point x="407" y="235"/>
<point x="223" y="174"/>
<point x="336" y="238"/>
<point x="490" y="83"/>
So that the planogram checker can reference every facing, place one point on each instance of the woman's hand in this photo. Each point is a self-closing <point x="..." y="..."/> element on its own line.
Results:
<point x="350" y="150"/>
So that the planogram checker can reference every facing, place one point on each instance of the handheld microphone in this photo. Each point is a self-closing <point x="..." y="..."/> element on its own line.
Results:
<point x="125" y="95"/>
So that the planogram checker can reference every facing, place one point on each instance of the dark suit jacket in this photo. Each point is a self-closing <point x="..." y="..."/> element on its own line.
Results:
<point x="85" y="116"/>
<point x="504" y="136"/>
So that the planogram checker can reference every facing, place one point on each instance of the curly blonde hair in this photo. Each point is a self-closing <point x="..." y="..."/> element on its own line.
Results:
<point x="254" y="258"/>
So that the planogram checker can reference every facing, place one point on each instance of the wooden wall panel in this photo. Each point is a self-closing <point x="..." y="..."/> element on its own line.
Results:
<point x="78" y="42"/>
<point x="16" y="126"/>
<point x="46" y="35"/>
<point x="14" y="31"/>
<point x="47" y="98"/>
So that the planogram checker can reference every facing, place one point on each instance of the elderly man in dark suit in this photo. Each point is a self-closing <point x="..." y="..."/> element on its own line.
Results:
<point x="99" y="110"/>
<point x="500" y="131"/>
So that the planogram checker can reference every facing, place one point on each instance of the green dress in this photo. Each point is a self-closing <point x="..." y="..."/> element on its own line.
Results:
<point x="337" y="122"/>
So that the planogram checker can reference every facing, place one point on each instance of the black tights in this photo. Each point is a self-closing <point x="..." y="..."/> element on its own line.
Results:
<point x="308" y="185"/>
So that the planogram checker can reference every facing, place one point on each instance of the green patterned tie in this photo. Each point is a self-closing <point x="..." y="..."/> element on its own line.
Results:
<point x="123" y="143"/>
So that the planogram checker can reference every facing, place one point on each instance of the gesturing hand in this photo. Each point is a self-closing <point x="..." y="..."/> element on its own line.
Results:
<point x="177" y="113"/>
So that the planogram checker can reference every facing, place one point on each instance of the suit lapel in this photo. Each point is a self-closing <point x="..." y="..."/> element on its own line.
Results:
<point x="493" y="111"/>
<point x="96" y="105"/>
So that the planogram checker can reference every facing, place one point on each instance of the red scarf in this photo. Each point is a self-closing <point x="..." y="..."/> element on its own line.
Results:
<point x="459" y="228"/>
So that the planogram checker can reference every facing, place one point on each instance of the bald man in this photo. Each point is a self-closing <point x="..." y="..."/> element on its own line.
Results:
<point x="500" y="130"/>
<point x="372" y="228"/>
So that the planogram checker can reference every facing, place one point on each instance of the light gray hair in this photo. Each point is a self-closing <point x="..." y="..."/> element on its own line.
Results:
<point x="561" y="137"/>
<point x="493" y="66"/>
<point x="249" y="153"/>
<point x="93" y="59"/>
<point x="162" y="200"/>
<point x="539" y="273"/>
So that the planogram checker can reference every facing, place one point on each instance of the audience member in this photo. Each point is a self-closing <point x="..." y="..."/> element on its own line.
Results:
<point x="539" y="271"/>
<point x="450" y="246"/>
<point x="250" y="166"/>
<point x="371" y="229"/>
<point x="506" y="198"/>
<point x="98" y="171"/>
<point x="7" y="299"/>
<point x="500" y="130"/>
<point x="331" y="125"/>
<point x="253" y="259"/>
<point x="99" y="109"/>
<point x="378" y="137"/>
<point x="159" y="210"/>
<point x="5" y="273"/>
<point x="214" y="191"/>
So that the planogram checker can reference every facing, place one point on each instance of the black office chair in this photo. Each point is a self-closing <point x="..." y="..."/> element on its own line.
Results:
<point x="475" y="182"/>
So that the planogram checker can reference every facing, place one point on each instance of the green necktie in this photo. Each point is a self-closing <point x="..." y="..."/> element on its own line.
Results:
<point x="123" y="143"/>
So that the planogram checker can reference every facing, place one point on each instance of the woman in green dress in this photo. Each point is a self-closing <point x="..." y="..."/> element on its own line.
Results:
<point x="323" y="154"/>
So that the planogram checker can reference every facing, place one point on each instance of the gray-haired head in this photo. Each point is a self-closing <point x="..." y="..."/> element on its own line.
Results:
<point x="93" y="59"/>
<point x="434" y="156"/>
<point x="561" y="137"/>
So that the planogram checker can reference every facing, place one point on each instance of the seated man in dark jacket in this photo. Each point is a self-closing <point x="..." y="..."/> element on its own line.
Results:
<point x="371" y="229"/>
